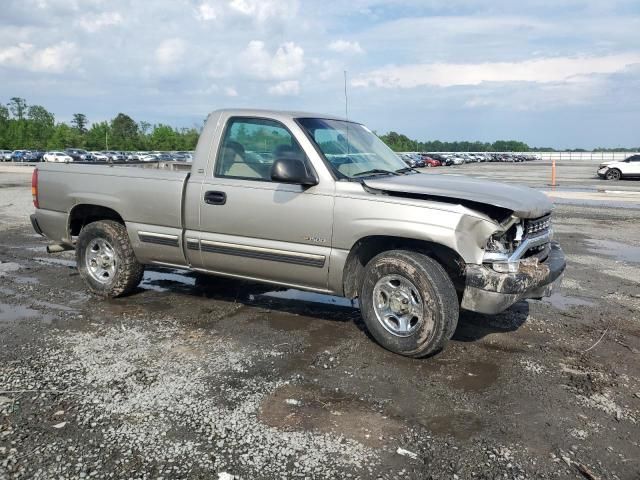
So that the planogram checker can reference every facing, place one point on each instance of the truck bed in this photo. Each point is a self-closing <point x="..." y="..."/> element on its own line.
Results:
<point x="140" y="195"/>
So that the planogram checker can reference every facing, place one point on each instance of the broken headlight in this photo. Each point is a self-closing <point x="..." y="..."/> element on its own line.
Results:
<point x="502" y="244"/>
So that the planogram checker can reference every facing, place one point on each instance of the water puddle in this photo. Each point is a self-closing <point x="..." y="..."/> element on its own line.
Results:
<point x="164" y="280"/>
<point x="302" y="296"/>
<point x="56" y="261"/>
<point x="26" y="280"/>
<point x="7" y="267"/>
<point x="604" y="203"/>
<point x="564" y="302"/>
<point x="618" y="250"/>
<point x="54" y="306"/>
<point x="475" y="376"/>
<point x="11" y="313"/>
<point x="7" y="291"/>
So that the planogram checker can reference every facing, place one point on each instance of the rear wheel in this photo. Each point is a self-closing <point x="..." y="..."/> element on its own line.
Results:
<point x="613" y="174"/>
<point x="408" y="303"/>
<point x="106" y="260"/>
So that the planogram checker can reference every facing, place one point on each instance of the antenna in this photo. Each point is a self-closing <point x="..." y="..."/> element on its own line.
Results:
<point x="346" y="97"/>
<point x="346" y="110"/>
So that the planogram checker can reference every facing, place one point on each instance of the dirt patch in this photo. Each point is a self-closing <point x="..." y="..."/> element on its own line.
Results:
<point x="308" y="407"/>
<point x="190" y="377"/>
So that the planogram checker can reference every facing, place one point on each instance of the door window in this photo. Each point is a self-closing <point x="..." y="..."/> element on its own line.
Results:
<point x="250" y="145"/>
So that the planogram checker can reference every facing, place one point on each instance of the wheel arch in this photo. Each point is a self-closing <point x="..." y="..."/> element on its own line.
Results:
<point x="614" y="169"/>
<point x="85" y="213"/>
<point x="368" y="247"/>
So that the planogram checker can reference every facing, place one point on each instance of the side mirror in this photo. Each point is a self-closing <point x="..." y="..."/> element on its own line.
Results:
<point x="292" y="170"/>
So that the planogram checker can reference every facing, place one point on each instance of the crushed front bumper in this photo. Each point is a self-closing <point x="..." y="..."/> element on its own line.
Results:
<point x="487" y="291"/>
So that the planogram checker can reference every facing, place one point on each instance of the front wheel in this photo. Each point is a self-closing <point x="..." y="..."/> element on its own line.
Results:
<point x="408" y="303"/>
<point x="613" y="174"/>
<point x="106" y="260"/>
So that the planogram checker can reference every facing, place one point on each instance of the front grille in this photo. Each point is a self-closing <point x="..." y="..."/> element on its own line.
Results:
<point x="534" y="228"/>
<point x="537" y="226"/>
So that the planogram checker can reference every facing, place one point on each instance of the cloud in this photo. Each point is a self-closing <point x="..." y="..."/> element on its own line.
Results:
<point x="263" y="11"/>
<point x="95" y="23"/>
<point x="285" y="88"/>
<point x="537" y="70"/>
<point x="53" y="59"/>
<point x="344" y="46"/>
<point x="206" y="12"/>
<point x="286" y="62"/>
<point x="484" y="66"/>
<point x="169" y="52"/>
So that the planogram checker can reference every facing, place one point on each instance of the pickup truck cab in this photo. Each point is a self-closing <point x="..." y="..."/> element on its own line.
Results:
<point x="311" y="202"/>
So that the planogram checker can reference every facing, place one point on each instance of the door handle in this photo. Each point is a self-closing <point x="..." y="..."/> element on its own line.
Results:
<point x="215" y="198"/>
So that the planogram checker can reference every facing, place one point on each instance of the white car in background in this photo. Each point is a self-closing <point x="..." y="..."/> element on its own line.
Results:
<point x="60" y="157"/>
<point x="627" y="168"/>
<point x="99" y="156"/>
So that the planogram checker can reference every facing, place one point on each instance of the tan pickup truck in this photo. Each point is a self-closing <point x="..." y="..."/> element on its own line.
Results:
<point x="311" y="202"/>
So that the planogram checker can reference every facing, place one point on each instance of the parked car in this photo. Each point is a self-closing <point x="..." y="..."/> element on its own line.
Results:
<point x="627" y="168"/>
<point x="414" y="248"/>
<point x="31" y="156"/>
<point x="184" y="156"/>
<point x="18" y="156"/>
<point x="79" y="155"/>
<point x="99" y="156"/>
<point x="409" y="160"/>
<point x="431" y="162"/>
<point x="57" y="157"/>
<point x="113" y="156"/>
<point x="5" y="155"/>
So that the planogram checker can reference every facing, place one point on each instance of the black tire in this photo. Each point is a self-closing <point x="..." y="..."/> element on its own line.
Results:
<point x="613" y="174"/>
<point x="128" y="271"/>
<point x="439" y="302"/>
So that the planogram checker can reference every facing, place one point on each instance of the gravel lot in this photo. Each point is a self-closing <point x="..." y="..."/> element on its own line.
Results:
<point x="214" y="378"/>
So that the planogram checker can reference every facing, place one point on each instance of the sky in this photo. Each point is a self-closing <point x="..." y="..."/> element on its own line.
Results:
<point x="559" y="73"/>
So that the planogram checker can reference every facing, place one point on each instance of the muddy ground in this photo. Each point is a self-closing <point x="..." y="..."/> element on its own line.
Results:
<point x="197" y="378"/>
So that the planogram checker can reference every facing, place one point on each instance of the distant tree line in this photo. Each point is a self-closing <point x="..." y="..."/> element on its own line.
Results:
<point x="401" y="143"/>
<point x="24" y="126"/>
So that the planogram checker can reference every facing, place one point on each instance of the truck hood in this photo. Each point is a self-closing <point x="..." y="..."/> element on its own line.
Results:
<point x="524" y="202"/>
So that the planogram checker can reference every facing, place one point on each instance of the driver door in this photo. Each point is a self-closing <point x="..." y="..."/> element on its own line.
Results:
<point x="253" y="227"/>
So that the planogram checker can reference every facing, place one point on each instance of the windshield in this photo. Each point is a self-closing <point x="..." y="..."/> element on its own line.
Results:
<point x="352" y="149"/>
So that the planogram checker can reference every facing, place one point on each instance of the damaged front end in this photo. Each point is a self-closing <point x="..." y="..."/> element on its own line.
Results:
<point x="520" y="261"/>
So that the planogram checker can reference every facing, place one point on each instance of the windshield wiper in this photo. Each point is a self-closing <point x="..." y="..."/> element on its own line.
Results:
<point x="407" y="169"/>
<point x="375" y="171"/>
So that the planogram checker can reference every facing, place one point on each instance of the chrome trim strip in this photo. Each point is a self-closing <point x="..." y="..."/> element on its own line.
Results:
<point x="193" y="244"/>
<point x="171" y="265"/>
<point x="159" y="238"/>
<point x="158" y="235"/>
<point x="262" y="253"/>
<point x="526" y="244"/>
